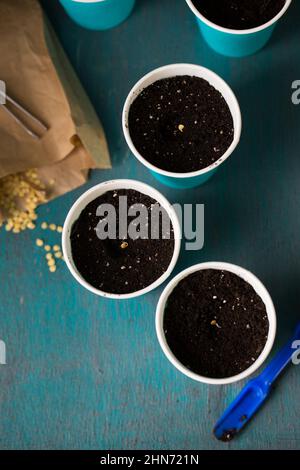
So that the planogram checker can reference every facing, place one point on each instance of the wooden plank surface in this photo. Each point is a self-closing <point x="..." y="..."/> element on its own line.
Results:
<point x="83" y="372"/>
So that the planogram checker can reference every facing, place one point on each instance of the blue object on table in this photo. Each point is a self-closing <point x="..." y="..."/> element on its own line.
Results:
<point x="184" y="183"/>
<point x="98" y="14"/>
<point x="235" y="45"/>
<point x="255" y="392"/>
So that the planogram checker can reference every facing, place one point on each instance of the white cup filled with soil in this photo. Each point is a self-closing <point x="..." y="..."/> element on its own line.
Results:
<point x="240" y="14"/>
<point x="182" y="121"/>
<point x="216" y="323"/>
<point x="238" y="28"/>
<point x="121" y="266"/>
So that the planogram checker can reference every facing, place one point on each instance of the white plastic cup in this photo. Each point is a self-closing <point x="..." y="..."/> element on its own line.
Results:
<point x="259" y="289"/>
<point x="194" y="178"/>
<point x="92" y="194"/>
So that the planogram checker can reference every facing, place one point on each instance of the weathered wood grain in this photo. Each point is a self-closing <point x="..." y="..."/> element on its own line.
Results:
<point x="83" y="372"/>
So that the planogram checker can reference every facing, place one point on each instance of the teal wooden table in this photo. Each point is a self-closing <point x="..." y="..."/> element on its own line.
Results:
<point x="84" y="372"/>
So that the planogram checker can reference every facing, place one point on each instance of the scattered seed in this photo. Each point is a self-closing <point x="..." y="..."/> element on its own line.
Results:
<point x="56" y="248"/>
<point x="124" y="245"/>
<point x="181" y="127"/>
<point x="52" y="269"/>
<point x="47" y="247"/>
<point x="52" y="227"/>
<point x="58" y="254"/>
<point x="44" y="225"/>
<point x="59" y="229"/>
<point x="39" y="242"/>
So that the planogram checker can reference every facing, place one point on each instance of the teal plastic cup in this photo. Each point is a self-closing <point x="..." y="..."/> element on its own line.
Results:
<point x="194" y="178"/>
<point x="233" y="42"/>
<point x="98" y="14"/>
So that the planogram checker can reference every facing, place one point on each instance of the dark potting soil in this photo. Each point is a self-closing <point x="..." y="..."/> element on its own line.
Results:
<point x="239" y="14"/>
<point x="215" y="323"/>
<point x="180" y="124"/>
<point x="120" y="265"/>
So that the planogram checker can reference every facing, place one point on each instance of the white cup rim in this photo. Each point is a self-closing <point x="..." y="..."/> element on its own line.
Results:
<point x="258" y="287"/>
<point x="88" y="1"/>
<point x="189" y="69"/>
<point x="96" y="191"/>
<point x="239" y="31"/>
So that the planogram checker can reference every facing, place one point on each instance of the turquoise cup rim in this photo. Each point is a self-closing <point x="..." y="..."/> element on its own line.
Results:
<point x="238" y="31"/>
<point x="172" y="70"/>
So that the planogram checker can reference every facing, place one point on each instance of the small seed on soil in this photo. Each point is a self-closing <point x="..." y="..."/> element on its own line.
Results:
<point x="191" y="305"/>
<point x="109" y="266"/>
<point x="39" y="242"/>
<point x="188" y="93"/>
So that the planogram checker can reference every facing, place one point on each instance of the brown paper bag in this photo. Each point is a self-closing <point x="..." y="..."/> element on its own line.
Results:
<point x="39" y="77"/>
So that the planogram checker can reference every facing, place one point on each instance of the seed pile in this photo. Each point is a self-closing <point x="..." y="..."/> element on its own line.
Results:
<point x="181" y="124"/>
<point x="20" y="195"/>
<point x="239" y="14"/>
<point x="215" y="323"/>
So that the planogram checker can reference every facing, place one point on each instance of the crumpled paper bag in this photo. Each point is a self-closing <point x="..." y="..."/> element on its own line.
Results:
<point x="39" y="76"/>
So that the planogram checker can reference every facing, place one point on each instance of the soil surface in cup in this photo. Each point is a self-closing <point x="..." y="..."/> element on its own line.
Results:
<point x="215" y="323"/>
<point x="181" y="124"/>
<point x="239" y="14"/>
<point x="120" y="264"/>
